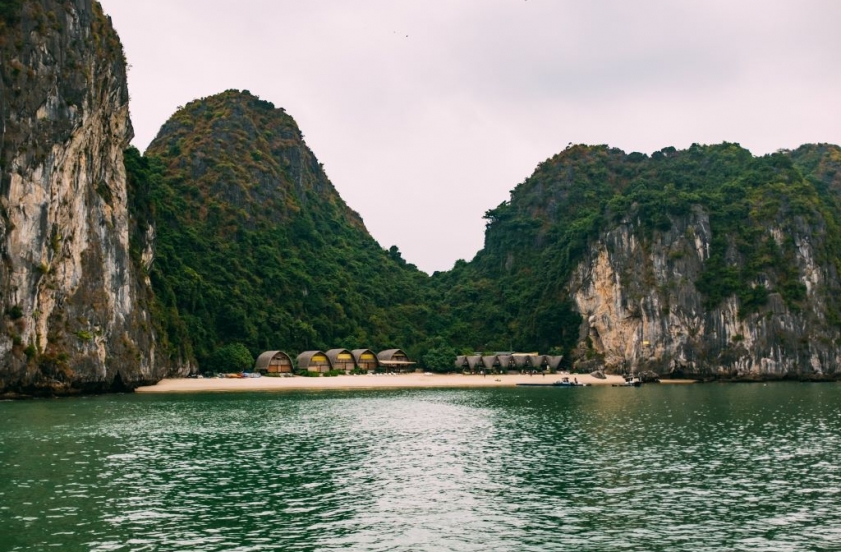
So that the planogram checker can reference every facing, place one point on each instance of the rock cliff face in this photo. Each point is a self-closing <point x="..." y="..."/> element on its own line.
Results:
<point x="72" y="304"/>
<point x="705" y="263"/>
<point x="642" y="310"/>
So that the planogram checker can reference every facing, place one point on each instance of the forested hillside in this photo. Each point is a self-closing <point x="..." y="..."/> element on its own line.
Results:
<point x="684" y="236"/>
<point x="707" y="262"/>
<point x="254" y="245"/>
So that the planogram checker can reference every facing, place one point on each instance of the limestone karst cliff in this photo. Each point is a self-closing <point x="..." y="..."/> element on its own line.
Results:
<point x="706" y="263"/>
<point x="72" y="303"/>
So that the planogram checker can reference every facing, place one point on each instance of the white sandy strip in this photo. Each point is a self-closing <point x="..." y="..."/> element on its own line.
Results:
<point x="362" y="382"/>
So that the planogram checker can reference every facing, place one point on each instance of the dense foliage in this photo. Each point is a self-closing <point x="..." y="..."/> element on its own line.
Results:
<point x="513" y="295"/>
<point x="255" y="246"/>
<point x="10" y="10"/>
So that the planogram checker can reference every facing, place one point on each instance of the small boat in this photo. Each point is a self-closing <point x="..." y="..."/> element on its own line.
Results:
<point x="630" y="381"/>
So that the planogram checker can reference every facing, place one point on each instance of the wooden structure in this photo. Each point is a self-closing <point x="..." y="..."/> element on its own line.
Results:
<point x="365" y="359"/>
<point x="505" y="361"/>
<point x="461" y="362"/>
<point x="537" y="361"/>
<point x="473" y="361"/>
<point x="488" y="361"/>
<point x="554" y="361"/>
<point x="273" y="362"/>
<point x="521" y="362"/>
<point x="314" y="361"/>
<point x="394" y="359"/>
<point x="341" y="359"/>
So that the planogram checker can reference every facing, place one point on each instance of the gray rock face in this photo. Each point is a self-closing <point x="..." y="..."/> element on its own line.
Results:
<point x="72" y="303"/>
<point x="642" y="311"/>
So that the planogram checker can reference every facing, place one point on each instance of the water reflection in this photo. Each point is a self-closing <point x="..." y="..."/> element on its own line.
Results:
<point x="659" y="468"/>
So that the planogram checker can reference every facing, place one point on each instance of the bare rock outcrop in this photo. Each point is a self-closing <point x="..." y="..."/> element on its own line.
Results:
<point x="73" y="303"/>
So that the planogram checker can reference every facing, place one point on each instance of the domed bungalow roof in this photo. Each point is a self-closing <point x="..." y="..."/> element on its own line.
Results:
<point x="365" y="358"/>
<point x="392" y="354"/>
<point x="394" y="358"/>
<point x="334" y="354"/>
<point x="273" y="361"/>
<point x="341" y="359"/>
<point x="316" y="359"/>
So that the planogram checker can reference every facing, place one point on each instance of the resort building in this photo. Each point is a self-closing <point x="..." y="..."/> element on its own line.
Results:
<point x="273" y="362"/>
<point x="509" y="361"/>
<point x="554" y="361"/>
<point x="394" y="359"/>
<point x="341" y="359"/>
<point x="314" y="361"/>
<point x="474" y="362"/>
<point x="365" y="359"/>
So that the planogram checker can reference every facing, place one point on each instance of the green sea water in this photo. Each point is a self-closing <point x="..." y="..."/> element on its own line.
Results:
<point x="701" y="467"/>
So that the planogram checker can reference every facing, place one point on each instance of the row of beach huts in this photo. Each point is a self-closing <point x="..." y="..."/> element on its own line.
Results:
<point x="509" y="361"/>
<point x="343" y="360"/>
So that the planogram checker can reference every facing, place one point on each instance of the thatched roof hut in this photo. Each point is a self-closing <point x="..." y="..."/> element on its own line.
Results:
<point x="365" y="359"/>
<point x="521" y="361"/>
<point x="505" y="361"/>
<point x="273" y="362"/>
<point x="341" y="359"/>
<point x="473" y="361"/>
<point x="394" y="359"/>
<point x="554" y="361"/>
<point x="488" y="361"/>
<point x="314" y="361"/>
<point x="461" y="361"/>
<point x="537" y="361"/>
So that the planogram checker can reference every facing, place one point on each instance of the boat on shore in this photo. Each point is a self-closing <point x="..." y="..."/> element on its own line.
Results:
<point x="630" y="381"/>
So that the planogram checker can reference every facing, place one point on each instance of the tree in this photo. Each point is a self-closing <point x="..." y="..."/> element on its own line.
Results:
<point x="234" y="357"/>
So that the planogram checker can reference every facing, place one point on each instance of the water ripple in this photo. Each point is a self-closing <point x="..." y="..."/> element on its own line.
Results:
<point x="660" y="468"/>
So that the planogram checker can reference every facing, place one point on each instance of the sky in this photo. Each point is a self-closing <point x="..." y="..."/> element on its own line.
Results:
<point x="425" y="114"/>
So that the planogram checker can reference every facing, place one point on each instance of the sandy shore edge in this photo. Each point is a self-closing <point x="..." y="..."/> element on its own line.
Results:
<point x="187" y="385"/>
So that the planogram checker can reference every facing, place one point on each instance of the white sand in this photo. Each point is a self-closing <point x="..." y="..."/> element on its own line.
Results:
<point x="362" y="382"/>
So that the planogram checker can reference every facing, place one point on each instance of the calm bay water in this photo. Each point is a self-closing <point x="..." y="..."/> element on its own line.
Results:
<point x="704" y="467"/>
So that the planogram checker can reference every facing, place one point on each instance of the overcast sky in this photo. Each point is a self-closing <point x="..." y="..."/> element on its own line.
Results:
<point x="426" y="114"/>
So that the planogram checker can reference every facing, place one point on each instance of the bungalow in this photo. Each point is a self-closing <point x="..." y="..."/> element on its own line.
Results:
<point x="394" y="359"/>
<point x="273" y="362"/>
<point x="365" y="359"/>
<point x="314" y="361"/>
<point x="341" y="359"/>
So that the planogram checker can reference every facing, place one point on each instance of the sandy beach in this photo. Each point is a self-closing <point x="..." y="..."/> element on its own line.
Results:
<point x="188" y="385"/>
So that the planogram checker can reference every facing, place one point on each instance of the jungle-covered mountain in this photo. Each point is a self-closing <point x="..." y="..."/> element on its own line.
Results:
<point x="254" y="246"/>
<point x="707" y="262"/>
<point x="119" y="269"/>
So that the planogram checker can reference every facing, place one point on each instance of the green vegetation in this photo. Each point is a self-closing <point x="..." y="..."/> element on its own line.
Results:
<point x="233" y="357"/>
<point x="10" y="11"/>
<point x="513" y="295"/>
<point x="261" y="252"/>
<point x="255" y="247"/>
